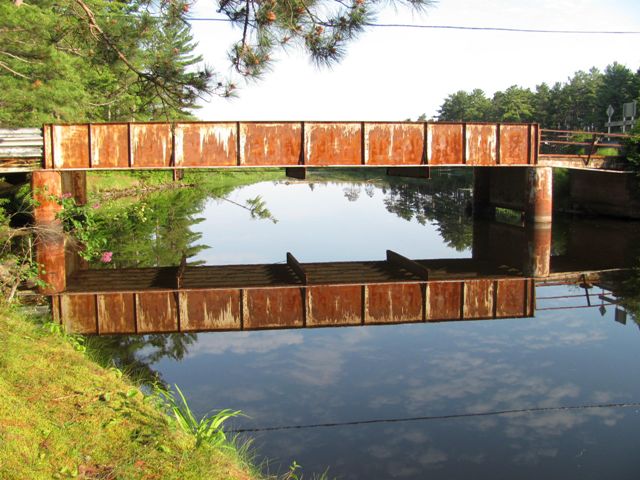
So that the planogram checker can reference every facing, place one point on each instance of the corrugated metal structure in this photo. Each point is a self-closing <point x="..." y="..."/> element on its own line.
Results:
<point x="286" y="144"/>
<point x="20" y="149"/>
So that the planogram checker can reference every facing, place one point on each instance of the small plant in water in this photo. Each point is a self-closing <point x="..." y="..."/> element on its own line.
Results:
<point x="206" y="431"/>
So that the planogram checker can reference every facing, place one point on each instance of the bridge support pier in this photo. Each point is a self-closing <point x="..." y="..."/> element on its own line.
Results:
<point x="527" y="189"/>
<point x="48" y="189"/>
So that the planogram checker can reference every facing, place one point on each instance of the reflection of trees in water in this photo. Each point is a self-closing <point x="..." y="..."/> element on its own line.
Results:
<point x="443" y="200"/>
<point x="135" y="354"/>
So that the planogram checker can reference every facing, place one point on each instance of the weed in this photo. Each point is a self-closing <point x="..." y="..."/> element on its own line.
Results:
<point x="206" y="431"/>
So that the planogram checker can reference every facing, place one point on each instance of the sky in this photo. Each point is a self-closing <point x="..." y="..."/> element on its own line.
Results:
<point x="394" y="74"/>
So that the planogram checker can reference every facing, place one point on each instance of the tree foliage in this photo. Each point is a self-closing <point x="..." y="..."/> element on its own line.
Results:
<point x="579" y="103"/>
<point x="91" y="60"/>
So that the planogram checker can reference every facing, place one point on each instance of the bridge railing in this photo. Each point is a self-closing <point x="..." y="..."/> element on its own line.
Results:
<point x="582" y="145"/>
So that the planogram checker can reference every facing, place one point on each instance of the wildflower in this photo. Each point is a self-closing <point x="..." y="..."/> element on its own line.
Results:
<point x="66" y="195"/>
<point x="95" y="205"/>
<point x="106" y="257"/>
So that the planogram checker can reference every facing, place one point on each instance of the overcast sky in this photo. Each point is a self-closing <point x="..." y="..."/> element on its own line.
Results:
<point x="394" y="74"/>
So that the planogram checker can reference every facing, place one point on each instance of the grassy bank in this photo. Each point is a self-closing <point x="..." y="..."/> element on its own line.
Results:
<point x="64" y="416"/>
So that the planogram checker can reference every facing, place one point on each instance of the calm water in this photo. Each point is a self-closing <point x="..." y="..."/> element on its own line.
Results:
<point x="481" y="399"/>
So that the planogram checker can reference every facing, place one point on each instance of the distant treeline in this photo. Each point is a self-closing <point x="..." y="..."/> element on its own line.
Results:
<point x="579" y="103"/>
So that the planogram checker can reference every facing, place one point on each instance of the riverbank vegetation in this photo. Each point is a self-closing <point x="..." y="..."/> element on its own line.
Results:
<point x="64" y="416"/>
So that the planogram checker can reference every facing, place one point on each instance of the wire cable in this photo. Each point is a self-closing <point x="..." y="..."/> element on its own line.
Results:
<point x="439" y="417"/>
<point x="460" y="27"/>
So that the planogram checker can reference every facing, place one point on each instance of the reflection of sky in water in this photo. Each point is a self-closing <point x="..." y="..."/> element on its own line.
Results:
<point x="293" y="377"/>
<point x="315" y="225"/>
<point x="571" y="357"/>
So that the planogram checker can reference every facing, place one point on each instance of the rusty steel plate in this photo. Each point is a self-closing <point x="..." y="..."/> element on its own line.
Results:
<point x="334" y="305"/>
<point x="270" y="144"/>
<point x="116" y="313"/>
<point x="47" y="152"/>
<point x="443" y="301"/>
<point x="511" y="298"/>
<point x="330" y="144"/>
<point x="481" y="143"/>
<point x="478" y="299"/>
<point x="273" y="308"/>
<point x="109" y="145"/>
<point x="210" y="310"/>
<point x="394" y="144"/>
<point x="156" y="312"/>
<point x="445" y="144"/>
<point x="393" y="303"/>
<point x="70" y="146"/>
<point x="151" y="144"/>
<point x="78" y="313"/>
<point x="206" y="144"/>
<point x="514" y="145"/>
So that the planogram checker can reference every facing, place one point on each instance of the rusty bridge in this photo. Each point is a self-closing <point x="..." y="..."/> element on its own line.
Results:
<point x="512" y="162"/>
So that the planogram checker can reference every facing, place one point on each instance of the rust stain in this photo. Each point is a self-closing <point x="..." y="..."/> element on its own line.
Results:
<point x="270" y="143"/>
<point x="478" y="299"/>
<point x="481" y="141"/>
<point x="50" y="255"/>
<point x="205" y="144"/>
<point x="394" y="144"/>
<point x="70" y="146"/>
<point x="210" y="310"/>
<point x="78" y="313"/>
<point x="511" y="298"/>
<point x="331" y="144"/>
<point x="443" y="301"/>
<point x="334" y="305"/>
<point x="273" y="308"/>
<point x="116" y="313"/>
<point x="393" y="303"/>
<point x="110" y="146"/>
<point x="514" y="144"/>
<point x="151" y="145"/>
<point x="47" y="190"/>
<point x="156" y="312"/>
<point x="444" y="144"/>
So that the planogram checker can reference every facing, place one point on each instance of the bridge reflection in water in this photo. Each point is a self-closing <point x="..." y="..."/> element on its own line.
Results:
<point x="497" y="282"/>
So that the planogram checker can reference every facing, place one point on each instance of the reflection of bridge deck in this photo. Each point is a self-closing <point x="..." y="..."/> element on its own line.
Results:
<point x="293" y="295"/>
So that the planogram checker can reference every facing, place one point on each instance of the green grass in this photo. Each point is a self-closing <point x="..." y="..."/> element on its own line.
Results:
<point x="64" y="416"/>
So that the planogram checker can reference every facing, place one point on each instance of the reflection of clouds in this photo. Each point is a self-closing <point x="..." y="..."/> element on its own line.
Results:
<point x="532" y="456"/>
<point x="243" y="342"/>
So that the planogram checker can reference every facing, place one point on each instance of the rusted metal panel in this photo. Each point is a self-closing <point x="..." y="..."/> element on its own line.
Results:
<point x="109" y="145"/>
<point x="273" y="308"/>
<point x="116" y="313"/>
<point x="443" y="301"/>
<point x="392" y="303"/>
<point x="151" y="144"/>
<point x="78" y="313"/>
<point x="534" y="142"/>
<point x="47" y="151"/>
<point x="70" y="146"/>
<point x="514" y="145"/>
<point x="481" y="141"/>
<point x="478" y="299"/>
<point x="50" y="256"/>
<point x="156" y="312"/>
<point x="329" y="144"/>
<point x="47" y="190"/>
<point x="445" y="144"/>
<point x="511" y="298"/>
<point x="270" y="143"/>
<point x="334" y="305"/>
<point x="210" y="310"/>
<point x="394" y="143"/>
<point x="206" y="144"/>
